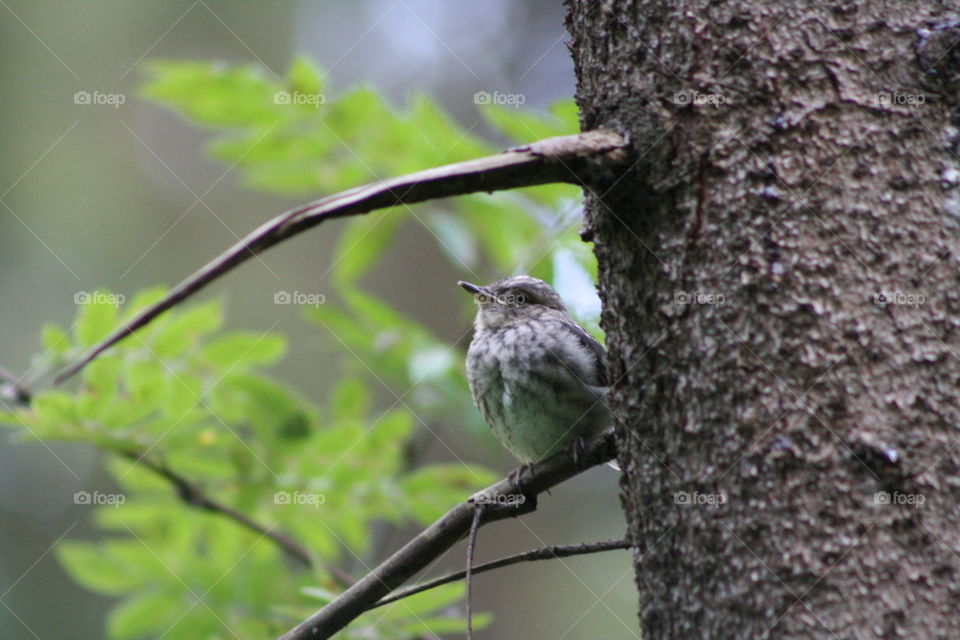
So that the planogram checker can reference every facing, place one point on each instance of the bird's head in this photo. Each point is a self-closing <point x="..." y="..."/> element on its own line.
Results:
<point x="503" y="300"/>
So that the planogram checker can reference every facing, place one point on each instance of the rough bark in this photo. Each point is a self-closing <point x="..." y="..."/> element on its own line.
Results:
<point x="796" y="163"/>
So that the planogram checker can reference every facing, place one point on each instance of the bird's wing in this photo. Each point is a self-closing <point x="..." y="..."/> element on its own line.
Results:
<point x="580" y="353"/>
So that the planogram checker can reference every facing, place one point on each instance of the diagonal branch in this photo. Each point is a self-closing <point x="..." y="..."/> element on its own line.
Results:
<point x="447" y="531"/>
<point x="563" y="159"/>
<point x="194" y="496"/>
<point x="544" y="553"/>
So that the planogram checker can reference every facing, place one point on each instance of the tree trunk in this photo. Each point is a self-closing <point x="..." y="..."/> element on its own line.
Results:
<point x="779" y="278"/>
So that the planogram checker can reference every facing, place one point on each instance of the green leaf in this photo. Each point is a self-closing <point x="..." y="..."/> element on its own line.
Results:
<point x="212" y="93"/>
<point x="103" y="374"/>
<point x="433" y="489"/>
<point x="427" y="602"/>
<point x="242" y="349"/>
<point x="148" y="382"/>
<point x="143" y="299"/>
<point x="524" y="126"/>
<point x="142" y="614"/>
<point x="362" y="244"/>
<point x="54" y="407"/>
<point x="441" y="139"/>
<point x="396" y="426"/>
<point x="567" y="114"/>
<point x="303" y="76"/>
<point x="350" y="398"/>
<point x="98" y="315"/>
<point x="55" y="339"/>
<point x="91" y="567"/>
<point x="180" y="331"/>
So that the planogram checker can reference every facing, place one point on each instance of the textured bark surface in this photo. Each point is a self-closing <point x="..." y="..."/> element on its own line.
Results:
<point x="780" y="281"/>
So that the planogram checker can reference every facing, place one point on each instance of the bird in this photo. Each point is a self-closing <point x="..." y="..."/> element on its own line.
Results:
<point x="537" y="377"/>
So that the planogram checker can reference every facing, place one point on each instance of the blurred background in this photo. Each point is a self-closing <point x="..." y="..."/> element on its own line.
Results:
<point x="123" y="197"/>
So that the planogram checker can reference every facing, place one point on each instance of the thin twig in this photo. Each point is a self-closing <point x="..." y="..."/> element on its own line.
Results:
<point x="196" y="497"/>
<point x="545" y="553"/>
<point x="471" y="548"/>
<point x="447" y="531"/>
<point x="562" y="159"/>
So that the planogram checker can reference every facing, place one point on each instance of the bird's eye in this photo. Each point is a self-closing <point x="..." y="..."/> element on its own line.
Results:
<point x="515" y="297"/>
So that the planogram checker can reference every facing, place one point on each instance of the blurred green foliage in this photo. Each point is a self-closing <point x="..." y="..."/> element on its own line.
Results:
<point x="187" y="394"/>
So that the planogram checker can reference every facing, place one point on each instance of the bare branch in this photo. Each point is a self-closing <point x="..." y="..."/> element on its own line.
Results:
<point x="562" y="159"/>
<point x="545" y="553"/>
<point x="447" y="531"/>
<point x="195" y="497"/>
<point x="471" y="548"/>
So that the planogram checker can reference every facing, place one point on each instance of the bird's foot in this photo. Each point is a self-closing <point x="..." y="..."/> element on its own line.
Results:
<point x="516" y="476"/>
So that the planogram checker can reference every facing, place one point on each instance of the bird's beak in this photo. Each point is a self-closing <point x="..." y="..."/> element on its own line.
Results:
<point x="472" y="288"/>
<point x="481" y="295"/>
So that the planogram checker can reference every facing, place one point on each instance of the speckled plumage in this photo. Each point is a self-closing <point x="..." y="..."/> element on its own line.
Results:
<point x="537" y="377"/>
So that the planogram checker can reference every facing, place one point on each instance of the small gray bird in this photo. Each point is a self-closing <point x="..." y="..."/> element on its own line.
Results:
<point x="537" y="377"/>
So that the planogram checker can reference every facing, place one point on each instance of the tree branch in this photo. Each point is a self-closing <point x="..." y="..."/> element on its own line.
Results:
<point x="447" y="531"/>
<point x="195" y="497"/>
<point x="562" y="159"/>
<point x="545" y="553"/>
